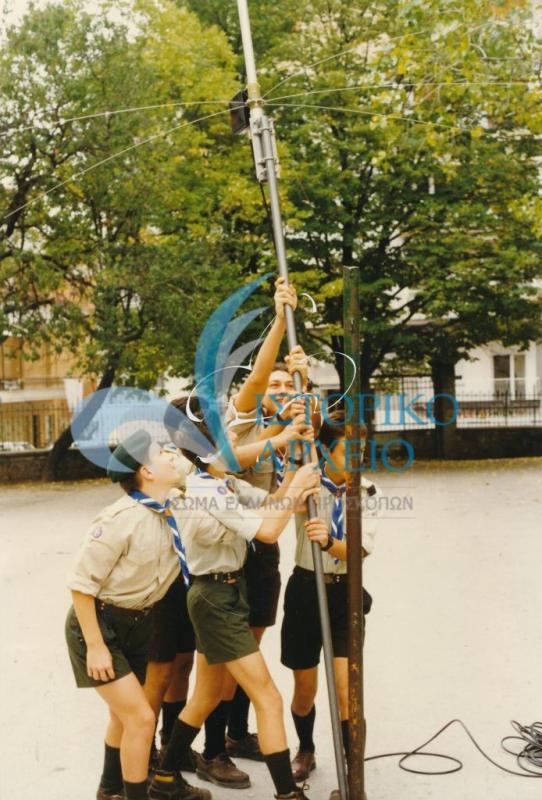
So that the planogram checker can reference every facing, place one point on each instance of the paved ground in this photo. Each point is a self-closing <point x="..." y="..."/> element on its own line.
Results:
<point x="455" y="632"/>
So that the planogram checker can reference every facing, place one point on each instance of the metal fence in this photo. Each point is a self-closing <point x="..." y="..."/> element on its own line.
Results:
<point x="37" y="424"/>
<point x="24" y="426"/>
<point x="401" y="404"/>
<point x="407" y="403"/>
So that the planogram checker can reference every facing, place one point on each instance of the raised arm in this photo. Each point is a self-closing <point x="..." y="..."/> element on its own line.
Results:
<point x="256" y="384"/>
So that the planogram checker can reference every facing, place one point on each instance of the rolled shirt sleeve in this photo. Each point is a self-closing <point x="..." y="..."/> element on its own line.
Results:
<point x="102" y="547"/>
<point x="213" y="511"/>
<point x="242" y="517"/>
<point x="245" y="424"/>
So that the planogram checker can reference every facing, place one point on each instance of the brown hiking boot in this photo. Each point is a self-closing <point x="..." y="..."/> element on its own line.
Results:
<point x="101" y="794"/>
<point x="222" y="772"/>
<point x="302" y="765"/>
<point x="247" y="747"/>
<point x="172" y="786"/>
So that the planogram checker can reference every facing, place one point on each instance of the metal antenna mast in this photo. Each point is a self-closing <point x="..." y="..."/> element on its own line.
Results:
<point x="265" y="156"/>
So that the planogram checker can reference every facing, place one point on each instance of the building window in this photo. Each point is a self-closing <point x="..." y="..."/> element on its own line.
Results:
<point x="509" y="375"/>
<point x="518" y="363"/>
<point x="501" y="375"/>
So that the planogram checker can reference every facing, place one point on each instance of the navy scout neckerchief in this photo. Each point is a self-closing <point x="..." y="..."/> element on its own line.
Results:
<point x="337" y="524"/>
<point x="178" y="545"/>
<point x="337" y="514"/>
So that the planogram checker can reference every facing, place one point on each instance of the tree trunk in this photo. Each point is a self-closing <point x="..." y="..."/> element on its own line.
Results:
<point x="444" y="410"/>
<point x="65" y="440"/>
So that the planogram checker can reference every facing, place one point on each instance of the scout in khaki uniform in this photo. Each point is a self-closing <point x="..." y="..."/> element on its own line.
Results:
<point x="220" y="516"/>
<point x="244" y="418"/>
<point x="128" y="560"/>
<point x="214" y="764"/>
<point x="301" y="636"/>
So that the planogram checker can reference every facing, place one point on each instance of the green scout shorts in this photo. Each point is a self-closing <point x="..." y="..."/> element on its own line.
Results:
<point x="127" y="638"/>
<point x="219" y="614"/>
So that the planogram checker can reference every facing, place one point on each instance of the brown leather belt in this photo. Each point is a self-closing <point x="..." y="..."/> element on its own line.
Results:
<point x="220" y="577"/>
<point x="329" y="577"/>
<point x="131" y="613"/>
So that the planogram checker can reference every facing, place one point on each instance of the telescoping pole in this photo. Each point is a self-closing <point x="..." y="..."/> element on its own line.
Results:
<point x="356" y="724"/>
<point x="261" y="127"/>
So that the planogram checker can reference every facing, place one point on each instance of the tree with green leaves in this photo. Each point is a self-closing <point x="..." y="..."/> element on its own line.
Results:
<point x="121" y="230"/>
<point x="409" y="137"/>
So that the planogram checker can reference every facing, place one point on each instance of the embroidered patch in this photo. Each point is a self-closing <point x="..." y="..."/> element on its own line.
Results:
<point x="222" y="490"/>
<point x="97" y="532"/>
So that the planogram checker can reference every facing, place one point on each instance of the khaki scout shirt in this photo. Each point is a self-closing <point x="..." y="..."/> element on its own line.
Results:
<point x="247" y="428"/>
<point x="127" y="557"/>
<point x="217" y="518"/>
<point x="370" y="511"/>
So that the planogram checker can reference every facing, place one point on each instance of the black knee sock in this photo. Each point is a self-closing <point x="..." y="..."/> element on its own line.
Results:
<point x="346" y="735"/>
<point x="180" y="740"/>
<point x="215" y="730"/>
<point x="136" y="791"/>
<point x="280" y="768"/>
<point x="238" y="720"/>
<point x="111" y="780"/>
<point x="170" y="712"/>
<point x="305" y="727"/>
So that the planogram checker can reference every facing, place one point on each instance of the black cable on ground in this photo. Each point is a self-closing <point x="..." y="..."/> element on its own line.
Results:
<point x="530" y="737"/>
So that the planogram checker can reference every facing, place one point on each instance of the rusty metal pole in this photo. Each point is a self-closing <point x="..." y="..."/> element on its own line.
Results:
<point x="355" y="756"/>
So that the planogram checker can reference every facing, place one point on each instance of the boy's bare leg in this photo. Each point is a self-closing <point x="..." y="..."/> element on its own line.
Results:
<point x="157" y="681"/>
<point x="127" y="701"/>
<point x="178" y="686"/>
<point x="252" y="674"/>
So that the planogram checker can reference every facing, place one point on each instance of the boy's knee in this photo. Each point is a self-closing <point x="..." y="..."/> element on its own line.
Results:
<point x="302" y="705"/>
<point x="159" y="677"/>
<point x="141" y="720"/>
<point x="148" y="719"/>
<point x="269" y="698"/>
<point x="304" y="697"/>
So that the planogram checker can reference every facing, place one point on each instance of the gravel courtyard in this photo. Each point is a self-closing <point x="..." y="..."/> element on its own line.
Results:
<point x="455" y="632"/>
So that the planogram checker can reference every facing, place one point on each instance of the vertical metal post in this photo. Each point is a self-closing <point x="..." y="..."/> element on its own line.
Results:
<point x="356" y="724"/>
<point x="257" y="115"/>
